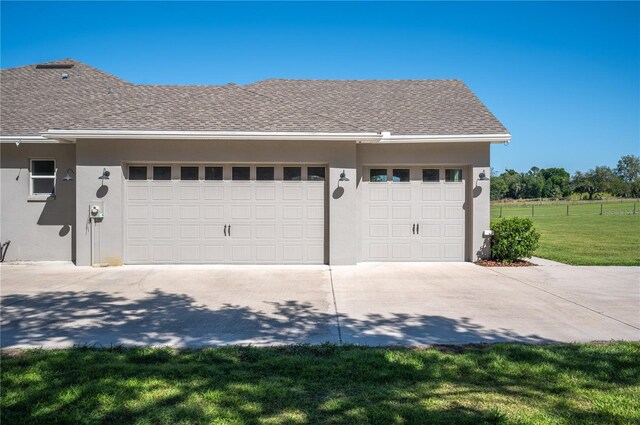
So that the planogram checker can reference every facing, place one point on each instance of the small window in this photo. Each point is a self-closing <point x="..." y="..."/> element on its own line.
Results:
<point x="378" y="175"/>
<point x="430" y="175"/>
<point x="453" y="175"/>
<point x="315" y="173"/>
<point x="162" y="173"/>
<point x="189" y="173"/>
<point x="292" y="174"/>
<point x="400" y="175"/>
<point x="213" y="173"/>
<point x="137" y="173"/>
<point x="240" y="173"/>
<point x="43" y="177"/>
<point x="264" y="173"/>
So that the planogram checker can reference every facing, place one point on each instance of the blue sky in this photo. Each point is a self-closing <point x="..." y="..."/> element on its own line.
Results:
<point x="563" y="77"/>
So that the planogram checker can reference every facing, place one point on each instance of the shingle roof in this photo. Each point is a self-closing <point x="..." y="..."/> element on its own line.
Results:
<point x="34" y="100"/>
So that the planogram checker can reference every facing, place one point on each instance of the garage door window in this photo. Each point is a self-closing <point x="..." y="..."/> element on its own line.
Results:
<point x="162" y="173"/>
<point x="453" y="175"/>
<point x="240" y="173"/>
<point x="264" y="173"/>
<point x="378" y="175"/>
<point x="137" y="173"/>
<point x="315" y="173"/>
<point x="400" y="175"/>
<point x="189" y="173"/>
<point x="292" y="174"/>
<point x="43" y="177"/>
<point x="430" y="175"/>
<point x="213" y="173"/>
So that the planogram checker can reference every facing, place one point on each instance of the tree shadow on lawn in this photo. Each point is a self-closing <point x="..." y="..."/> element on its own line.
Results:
<point x="290" y="384"/>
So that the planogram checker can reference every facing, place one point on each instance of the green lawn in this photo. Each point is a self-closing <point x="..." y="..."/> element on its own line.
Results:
<point x="502" y="383"/>
<point x="584" y="237"/>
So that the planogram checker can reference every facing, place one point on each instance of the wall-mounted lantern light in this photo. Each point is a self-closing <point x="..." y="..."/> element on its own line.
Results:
<point x="105" y="175"/>
<point x="483" y="176"/>
<point x="68" y="177"/>
<point x="343" y="177"/>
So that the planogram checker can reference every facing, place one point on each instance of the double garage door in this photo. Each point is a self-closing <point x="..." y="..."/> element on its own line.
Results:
<point x="413" y="214"/>
<point x="245" y="214"/>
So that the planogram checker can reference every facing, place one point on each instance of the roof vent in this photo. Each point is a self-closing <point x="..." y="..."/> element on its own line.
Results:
<point x="65" y="75"/>
<point x="54" y="66"/>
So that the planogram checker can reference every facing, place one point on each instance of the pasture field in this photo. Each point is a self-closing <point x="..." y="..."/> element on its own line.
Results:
<point x="584" y="237"/>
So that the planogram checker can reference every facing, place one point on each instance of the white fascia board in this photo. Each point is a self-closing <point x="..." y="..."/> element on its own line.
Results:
<point x="448" y="138"/>
<point x="26" y="139"/>
<point x="208" y="135"/>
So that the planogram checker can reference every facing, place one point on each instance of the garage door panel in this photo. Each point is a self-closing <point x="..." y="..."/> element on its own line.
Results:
<point x="225" y="221"/>
<point x="189" y="253"/>
<point x="189" y="231"/>
<point x="266" y="253"/>
<point x="213" y="193"/>
<point x="162" y="231"/>
<point x="240" y="212"/>
<point x="413" y="220"/>
<point x="161" y="193"/>
<point x="162" y="212"/>
<point x="189" y="212"/>
<point x="189" y="193"/>
<point x="162" y="254"/>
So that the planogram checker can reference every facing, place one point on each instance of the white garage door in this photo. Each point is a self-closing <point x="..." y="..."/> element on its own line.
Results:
<point x="249" y="214"/>
<point x="413" y="214"/>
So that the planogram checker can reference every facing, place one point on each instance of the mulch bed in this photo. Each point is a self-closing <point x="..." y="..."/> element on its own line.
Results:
<point x="492" y="263"/>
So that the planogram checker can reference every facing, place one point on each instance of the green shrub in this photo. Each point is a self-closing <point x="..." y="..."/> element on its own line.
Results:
<point x="513" y="238"/>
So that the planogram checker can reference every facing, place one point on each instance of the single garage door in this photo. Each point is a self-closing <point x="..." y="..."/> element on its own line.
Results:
<point x="413" y="213"/>
<point x="245" y="214"/>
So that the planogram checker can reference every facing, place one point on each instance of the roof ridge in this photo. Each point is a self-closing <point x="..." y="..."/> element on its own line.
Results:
<point x="303" y="109"/>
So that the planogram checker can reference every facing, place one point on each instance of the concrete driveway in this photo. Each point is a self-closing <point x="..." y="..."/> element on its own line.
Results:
<point x="58" y="305"/>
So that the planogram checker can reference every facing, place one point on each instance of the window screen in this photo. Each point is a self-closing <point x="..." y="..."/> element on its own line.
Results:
<point x="378" y="175"/>
<point x="292" y="174"/>
<point x="264" y="173"/>
<point x="137" y="173"/>
<point x="213" y="173"/>
<point x="400" y="175"/>
<point x="189" y="173"/>
<point x="162" y="173"/>
<point x="430" y="175"/>
<point x="240" y="173"/>
<point x="315" y="173"/>
<point x="43" y="177"/>
<point x="453" y="175"/>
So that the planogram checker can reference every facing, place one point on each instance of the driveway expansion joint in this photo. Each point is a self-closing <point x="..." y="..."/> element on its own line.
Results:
<point x="565" y="299"/>
<point x="335" y="306"/>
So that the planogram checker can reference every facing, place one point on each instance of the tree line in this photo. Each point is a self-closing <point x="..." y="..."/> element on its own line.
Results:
<point x="557" y="183"/>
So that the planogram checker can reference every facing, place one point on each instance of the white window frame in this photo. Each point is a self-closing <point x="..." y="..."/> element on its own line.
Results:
<point x="32" y="177"/>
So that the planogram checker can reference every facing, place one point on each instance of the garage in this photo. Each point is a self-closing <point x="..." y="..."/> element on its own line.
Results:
<point x="225" y="213"/>
<point x="413" y="213"/>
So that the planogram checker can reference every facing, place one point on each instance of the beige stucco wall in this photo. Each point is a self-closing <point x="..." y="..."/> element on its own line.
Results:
<point x="44" y="230"/>
<point x="475" y="157"/>
<point x="38" y="230"/>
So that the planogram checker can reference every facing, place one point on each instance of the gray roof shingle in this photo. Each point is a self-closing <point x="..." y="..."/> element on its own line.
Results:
<point x="34" y="100"/>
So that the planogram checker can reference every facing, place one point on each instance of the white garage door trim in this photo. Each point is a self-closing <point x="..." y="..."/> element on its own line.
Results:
<point x="225" y="221"/>
<point x="407" y="219"/>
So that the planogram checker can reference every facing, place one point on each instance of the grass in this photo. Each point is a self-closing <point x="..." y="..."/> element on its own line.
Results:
<point x="500" y="384"/>
<point x="584" y="237"/>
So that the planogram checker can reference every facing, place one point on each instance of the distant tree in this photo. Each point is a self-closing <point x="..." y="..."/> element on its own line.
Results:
<point x="556" y="183"/>
<point x="498" y="188"/>
<point x="628" y="171"/>
<point x="513" y="180"/>
<point x="593" y="181"/>
<point x="532" y="184"/>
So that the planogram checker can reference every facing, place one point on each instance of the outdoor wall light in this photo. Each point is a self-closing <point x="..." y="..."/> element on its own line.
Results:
<point x="68" y="177"/>
<point x="483" y="176"/>
<point x="105" y="175"/>
<point x="343" y="177"/>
